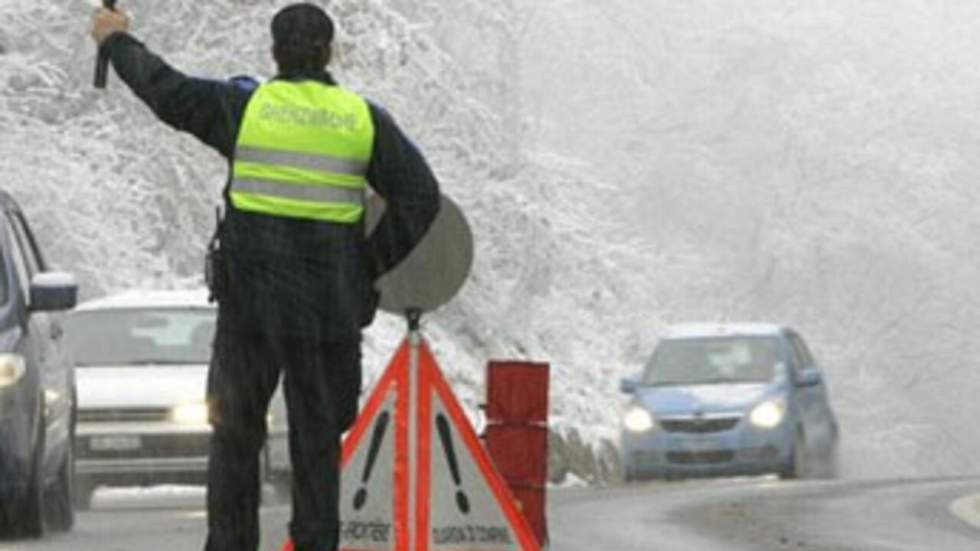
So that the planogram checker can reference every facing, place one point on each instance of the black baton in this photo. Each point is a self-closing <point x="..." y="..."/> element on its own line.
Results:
<point x="102" y="62"/>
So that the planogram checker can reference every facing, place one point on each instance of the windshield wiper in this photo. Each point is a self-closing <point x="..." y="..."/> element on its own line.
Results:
<point x="717" y="381"/>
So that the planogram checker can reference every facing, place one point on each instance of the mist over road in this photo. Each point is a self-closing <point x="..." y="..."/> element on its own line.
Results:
<point x="754" y="515"/>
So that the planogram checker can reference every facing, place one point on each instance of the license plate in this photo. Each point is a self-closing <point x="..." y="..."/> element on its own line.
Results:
<point x="115" y="443"/>
<point x="701" y="444"/>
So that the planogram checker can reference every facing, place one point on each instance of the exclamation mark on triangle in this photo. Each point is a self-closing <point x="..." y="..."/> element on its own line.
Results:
<point x="360" y="498"/>
<point x="442" y="424"/>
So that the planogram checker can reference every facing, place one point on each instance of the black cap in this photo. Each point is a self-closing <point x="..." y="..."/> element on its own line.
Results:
<point x="302" y="25"/>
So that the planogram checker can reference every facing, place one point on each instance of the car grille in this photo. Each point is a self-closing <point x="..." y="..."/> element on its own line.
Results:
<point x="155" y="446"/>
<point x="130" y="415"/>
<point x="643" y="457"/>
<point x="699" y="425"/>
<point x="701" y="458"/>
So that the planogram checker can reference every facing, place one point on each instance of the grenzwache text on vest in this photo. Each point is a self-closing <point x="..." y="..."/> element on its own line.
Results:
<point x="306" y="116"/>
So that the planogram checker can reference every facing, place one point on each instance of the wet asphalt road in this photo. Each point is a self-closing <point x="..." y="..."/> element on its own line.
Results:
<point x="768" y="515"/>
<point x="154" y="520"/>
<point x="703" y="516"/>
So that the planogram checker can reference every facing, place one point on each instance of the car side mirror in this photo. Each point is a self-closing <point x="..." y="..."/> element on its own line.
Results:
<point x="628" y="385"/>
<point x="808" y="378"/>
<point x="53" y="291"/>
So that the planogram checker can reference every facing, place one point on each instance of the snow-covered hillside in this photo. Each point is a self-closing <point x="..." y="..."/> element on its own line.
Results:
<point x="624" y="165"/>
<point x="108" y="186"/>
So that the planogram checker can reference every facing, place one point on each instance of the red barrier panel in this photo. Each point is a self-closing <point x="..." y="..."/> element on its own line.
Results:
<point x="517" y="392"/>
<point x="519" y="451"/>
<point x="516" y="435"/>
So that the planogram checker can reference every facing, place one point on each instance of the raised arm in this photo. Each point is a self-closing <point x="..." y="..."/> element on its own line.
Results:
<point x="208" y="109"/>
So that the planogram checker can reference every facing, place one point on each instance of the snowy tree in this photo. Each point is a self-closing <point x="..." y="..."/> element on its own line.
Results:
<point x="108" y="186"/>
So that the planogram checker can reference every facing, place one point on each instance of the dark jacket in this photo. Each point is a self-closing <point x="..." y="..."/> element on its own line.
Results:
<point x="289" y="276"/>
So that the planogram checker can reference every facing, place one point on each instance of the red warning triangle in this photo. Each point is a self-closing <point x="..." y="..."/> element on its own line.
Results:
<point x="415" y="476"/>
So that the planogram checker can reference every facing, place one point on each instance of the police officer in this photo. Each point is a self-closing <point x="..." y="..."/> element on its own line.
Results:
<point x="295" y="280"/>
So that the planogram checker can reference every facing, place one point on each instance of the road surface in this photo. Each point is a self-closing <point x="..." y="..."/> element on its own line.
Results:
<point x="158" y="519"/>
<point x="934" y="515"/>
<point x="764" y="515"/>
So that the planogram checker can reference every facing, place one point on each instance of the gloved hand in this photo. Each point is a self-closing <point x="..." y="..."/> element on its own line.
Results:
<point x="106" y="21"/>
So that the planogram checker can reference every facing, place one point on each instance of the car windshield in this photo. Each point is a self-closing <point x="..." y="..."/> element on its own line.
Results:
<point x="712" y="361"/>
<point x="141" y="336"/>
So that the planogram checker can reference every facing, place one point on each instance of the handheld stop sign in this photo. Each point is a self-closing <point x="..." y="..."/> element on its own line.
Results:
<point x="435" y="271"/>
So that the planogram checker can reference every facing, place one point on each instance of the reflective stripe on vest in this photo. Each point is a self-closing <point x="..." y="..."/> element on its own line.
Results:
<point x="303" y="152"/>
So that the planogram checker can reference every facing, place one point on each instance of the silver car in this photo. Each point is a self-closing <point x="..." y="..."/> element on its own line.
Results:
<point x="142" y="361"/>
<point x="726" y="400"/>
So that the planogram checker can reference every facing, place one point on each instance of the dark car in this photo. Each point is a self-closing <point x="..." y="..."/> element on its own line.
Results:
<point x="37" y="386"/>
<point x="729" y="399"/>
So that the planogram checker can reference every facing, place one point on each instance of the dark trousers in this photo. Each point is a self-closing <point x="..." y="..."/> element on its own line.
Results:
<point x="322" y="381"/>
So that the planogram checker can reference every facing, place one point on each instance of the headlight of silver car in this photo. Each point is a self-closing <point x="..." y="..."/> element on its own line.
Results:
<point x="638" y="419"/>
<point x="768" y="415"/>
<point x="194" y="413"/>
<point x="12" y="369"/>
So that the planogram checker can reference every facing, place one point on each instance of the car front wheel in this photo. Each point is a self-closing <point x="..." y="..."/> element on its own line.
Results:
<point x="27" y="515"/>
<point x="59" y="500"/>
<point x="796" y="467"/>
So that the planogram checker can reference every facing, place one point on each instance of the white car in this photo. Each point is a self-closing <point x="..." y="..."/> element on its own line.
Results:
<point x="141" y="364"/>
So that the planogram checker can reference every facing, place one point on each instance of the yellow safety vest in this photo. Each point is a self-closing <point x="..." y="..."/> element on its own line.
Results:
<point x="303" y="151"/>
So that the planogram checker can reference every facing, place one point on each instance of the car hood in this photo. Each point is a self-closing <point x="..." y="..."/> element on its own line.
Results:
<point x="723" y="398"/>
<point x="140" y="386"/>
